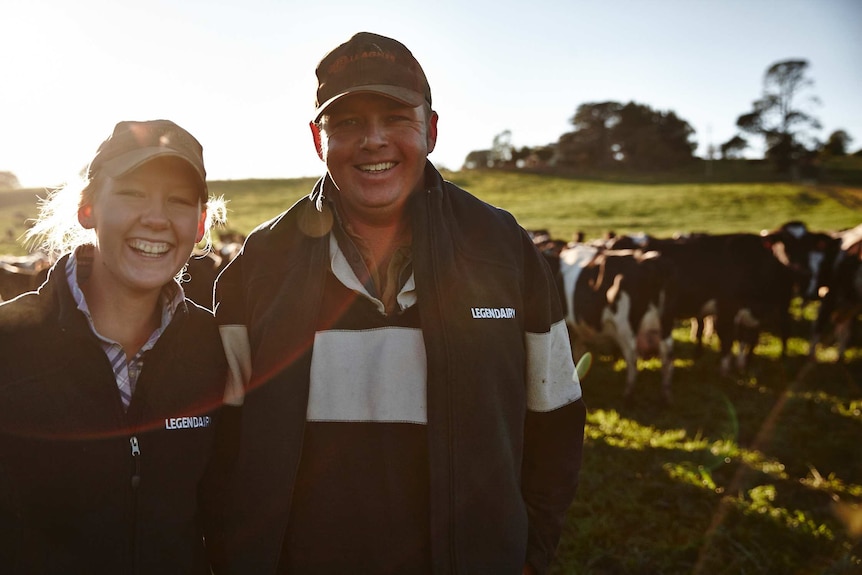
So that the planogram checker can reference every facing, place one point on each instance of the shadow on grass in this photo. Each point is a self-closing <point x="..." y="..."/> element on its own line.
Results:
<point x="757" y="473"/>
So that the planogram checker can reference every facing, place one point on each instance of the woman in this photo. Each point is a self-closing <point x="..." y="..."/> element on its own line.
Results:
<point x="110" y="380"/>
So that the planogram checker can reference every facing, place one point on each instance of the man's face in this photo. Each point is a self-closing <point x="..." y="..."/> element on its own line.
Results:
<point x="375" y="150"/>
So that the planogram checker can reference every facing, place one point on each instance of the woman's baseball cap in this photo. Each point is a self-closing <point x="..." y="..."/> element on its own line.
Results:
<point x="370" y="63"/>
<point x="134" y="143"/>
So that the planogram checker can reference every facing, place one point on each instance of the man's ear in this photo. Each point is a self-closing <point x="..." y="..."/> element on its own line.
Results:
<point x="318" y="144"/>
<point x="432" y="131"/>
<point x="85" y="217"/>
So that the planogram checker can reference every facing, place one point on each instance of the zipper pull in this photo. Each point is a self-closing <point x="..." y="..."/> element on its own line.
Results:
<point x="136" y="451"/>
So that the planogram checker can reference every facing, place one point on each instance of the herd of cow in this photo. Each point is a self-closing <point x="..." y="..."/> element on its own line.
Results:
<point x="631" y="290"/>
<point x="19" y="274"/>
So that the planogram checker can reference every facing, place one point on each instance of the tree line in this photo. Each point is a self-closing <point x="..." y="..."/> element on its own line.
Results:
<point x="8" y="181"/>
<point x="635" y="137"/>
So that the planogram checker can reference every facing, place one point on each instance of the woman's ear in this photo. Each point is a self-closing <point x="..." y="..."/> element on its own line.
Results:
<point x="202" y="226"/>
<point x="85" y="217"/>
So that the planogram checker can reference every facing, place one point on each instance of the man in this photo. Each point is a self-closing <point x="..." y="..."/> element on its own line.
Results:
<point x="410" y="403"/>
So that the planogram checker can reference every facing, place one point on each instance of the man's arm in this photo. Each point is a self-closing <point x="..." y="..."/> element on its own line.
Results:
<point x="230" y="315"/>
<point x="219" y="479"/>
<point x="552" y="461"/>
<point x="555" y="419"/>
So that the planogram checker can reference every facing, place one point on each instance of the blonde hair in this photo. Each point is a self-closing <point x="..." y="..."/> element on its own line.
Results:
<point x="56" y="230"/>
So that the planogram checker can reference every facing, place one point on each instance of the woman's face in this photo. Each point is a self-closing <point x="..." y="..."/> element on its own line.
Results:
<point x="147" y="223"/>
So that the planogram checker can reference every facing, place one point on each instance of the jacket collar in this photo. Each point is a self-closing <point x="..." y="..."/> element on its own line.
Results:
<point x="69" y="316"/>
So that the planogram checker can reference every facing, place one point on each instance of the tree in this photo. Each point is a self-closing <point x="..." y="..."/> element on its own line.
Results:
<point x="8" y="181"/>
<point x="501" y="149"/>
<point x="590" y="143"/>
<point x="778" y="116"/>
<point x="838" y="143"/>
<point x="651" y="139"/>
<point x="534" y="157"/>
<point x="609" y="135"/>
<point x="478" y="159"/>
<point x="733" y="148"/>
<point x="520" y="155"/>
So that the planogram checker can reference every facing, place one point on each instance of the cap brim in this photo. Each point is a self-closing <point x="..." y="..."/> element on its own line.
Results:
<point x="403" y="95"/>
<point x="125" y="163"/>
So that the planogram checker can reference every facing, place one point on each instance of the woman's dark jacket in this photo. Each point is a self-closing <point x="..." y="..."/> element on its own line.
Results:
<point x="86" y="487"/>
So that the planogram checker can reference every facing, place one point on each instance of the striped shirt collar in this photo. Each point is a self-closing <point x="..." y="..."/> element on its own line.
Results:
<point x="78" y="268"/>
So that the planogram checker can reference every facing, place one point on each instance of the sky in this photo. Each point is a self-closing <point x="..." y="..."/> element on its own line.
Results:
<point x="239" y="74"/>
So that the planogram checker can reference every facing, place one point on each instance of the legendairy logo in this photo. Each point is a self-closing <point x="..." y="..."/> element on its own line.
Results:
<point x="187" y="422"/>
<point x="492" y="312"/>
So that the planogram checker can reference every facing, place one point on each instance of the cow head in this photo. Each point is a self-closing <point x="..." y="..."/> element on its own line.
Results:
<point x="808" y="255"/>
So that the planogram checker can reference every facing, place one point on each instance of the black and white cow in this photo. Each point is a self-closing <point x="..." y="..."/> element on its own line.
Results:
<point x="621" y="297"/>
<point x="829" y="264"/>
<point x="737" y="279"/>
<point x="811" y="255"/>
<point x="841" y="289"/>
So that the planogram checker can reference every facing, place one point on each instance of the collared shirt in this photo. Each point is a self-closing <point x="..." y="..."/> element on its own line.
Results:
<point x="126" y="372"/>
<point x="363" y="476"/>
<point x="391" y="288"/>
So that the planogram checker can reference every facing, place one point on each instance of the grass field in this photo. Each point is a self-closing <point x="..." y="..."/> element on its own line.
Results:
<point x="755" y="473"/>
<point x="758" y="473"/>
<point x="561" y="205"/>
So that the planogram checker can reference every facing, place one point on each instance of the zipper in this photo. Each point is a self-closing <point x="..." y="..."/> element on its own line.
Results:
<point x="136" y="467"/>
<point x="135" y="482"/>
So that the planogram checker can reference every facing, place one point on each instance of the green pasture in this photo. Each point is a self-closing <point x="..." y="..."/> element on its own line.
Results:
<point x="561" y="205"/>
<point x="565" y="206"/>
<point x="752" y="473"/>
<point x="755" y="473"/>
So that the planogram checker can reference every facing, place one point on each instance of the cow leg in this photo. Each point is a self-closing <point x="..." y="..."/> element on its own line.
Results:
<point x="726" y="362"/>
<point x="631" y="359"/>
<point x="821" y="324"/>
<point x="812" y="347"/>
<point x="705" y="322"/>
<point x="747" y="341"/>
<point x="724" y="330"/>
<point x="784" y="328"/>
<point x="842" y="336"/>
<point x="697" y="335"/>
<point x="748" y="333"/>
<point x="666" y="352"/>
<point x="615" y="323"/>
<point x="628" y="348"/>
<point x="631" y="379"/>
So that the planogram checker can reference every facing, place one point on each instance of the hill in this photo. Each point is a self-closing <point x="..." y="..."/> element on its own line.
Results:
<point x="559" y="204"/>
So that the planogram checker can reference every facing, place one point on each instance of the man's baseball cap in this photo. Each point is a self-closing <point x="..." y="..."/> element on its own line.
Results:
<point x="372" y="64"/>
<point x="132" y="144"/>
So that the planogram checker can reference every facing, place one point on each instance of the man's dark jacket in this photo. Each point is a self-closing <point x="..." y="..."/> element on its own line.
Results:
<point x="502" y="476"/>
